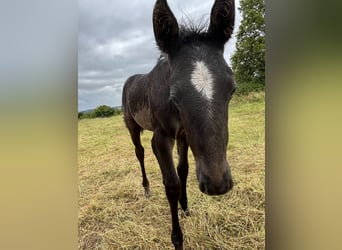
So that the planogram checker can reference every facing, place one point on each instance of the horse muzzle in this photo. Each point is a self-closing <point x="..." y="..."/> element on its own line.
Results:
<point x="209" y="187"/>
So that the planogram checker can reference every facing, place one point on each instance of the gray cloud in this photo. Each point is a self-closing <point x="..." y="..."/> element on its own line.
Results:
<point x="116" y="40"/>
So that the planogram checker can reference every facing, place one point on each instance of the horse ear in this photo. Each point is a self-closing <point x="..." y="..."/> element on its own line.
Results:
<point x="165" y="26"/>
<point x="222" y="19"/>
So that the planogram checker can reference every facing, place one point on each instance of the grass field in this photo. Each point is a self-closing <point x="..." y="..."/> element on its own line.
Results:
<point x="114" y="213"/>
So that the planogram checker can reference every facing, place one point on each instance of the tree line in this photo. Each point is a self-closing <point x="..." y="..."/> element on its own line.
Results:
<point x="100" y="111"/>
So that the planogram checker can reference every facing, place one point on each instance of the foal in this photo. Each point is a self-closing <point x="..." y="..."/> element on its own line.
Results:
<point x="185" y="99"/>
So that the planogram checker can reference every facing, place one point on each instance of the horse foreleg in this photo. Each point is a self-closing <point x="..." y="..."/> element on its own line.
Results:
<point x="162" y="148"/>
<point x="182" y="170"/>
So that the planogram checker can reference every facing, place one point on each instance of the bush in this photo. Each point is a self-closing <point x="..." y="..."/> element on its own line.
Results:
<point x="100" y="111"/>
<point x="117" y="111"/>
<point x="103" y="111"/>
<point x="246" y="88"/>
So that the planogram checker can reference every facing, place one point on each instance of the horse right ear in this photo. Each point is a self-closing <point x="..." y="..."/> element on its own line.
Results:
<point x="222" y="20"/>
<point x="165" y="27"/>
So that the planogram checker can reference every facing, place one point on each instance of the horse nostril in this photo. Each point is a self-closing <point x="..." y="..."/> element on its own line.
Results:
<point x="210" y="187"/>
<point x="203" y="187"/>
<point x="231" y="184"/>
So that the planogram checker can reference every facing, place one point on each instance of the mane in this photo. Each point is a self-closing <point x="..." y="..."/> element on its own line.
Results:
<point x="191" y="32"/>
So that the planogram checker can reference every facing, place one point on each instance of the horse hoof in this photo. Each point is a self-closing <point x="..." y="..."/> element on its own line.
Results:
<point x="147" y="193"/>
<point x="185" y="213"/>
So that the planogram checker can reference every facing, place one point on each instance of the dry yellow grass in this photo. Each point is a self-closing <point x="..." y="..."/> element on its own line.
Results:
<point x="114" y="213"/>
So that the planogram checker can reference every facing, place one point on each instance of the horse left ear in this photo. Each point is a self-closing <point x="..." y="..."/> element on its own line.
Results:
<point x="222" y="20"/>
<point x="165" y="27"/>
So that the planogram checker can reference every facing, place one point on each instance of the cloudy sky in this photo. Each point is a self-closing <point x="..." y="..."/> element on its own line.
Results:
<point x="116" y="40"/>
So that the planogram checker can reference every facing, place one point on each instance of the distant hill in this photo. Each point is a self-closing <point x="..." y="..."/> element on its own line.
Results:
<point x="91" y="110"/>
<point x="87" y="111"/>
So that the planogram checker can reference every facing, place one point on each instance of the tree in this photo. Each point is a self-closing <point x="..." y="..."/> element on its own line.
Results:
<point x="248" y="61"/>
<point x="103" y="111"/>
<point x="80" y="115"/>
